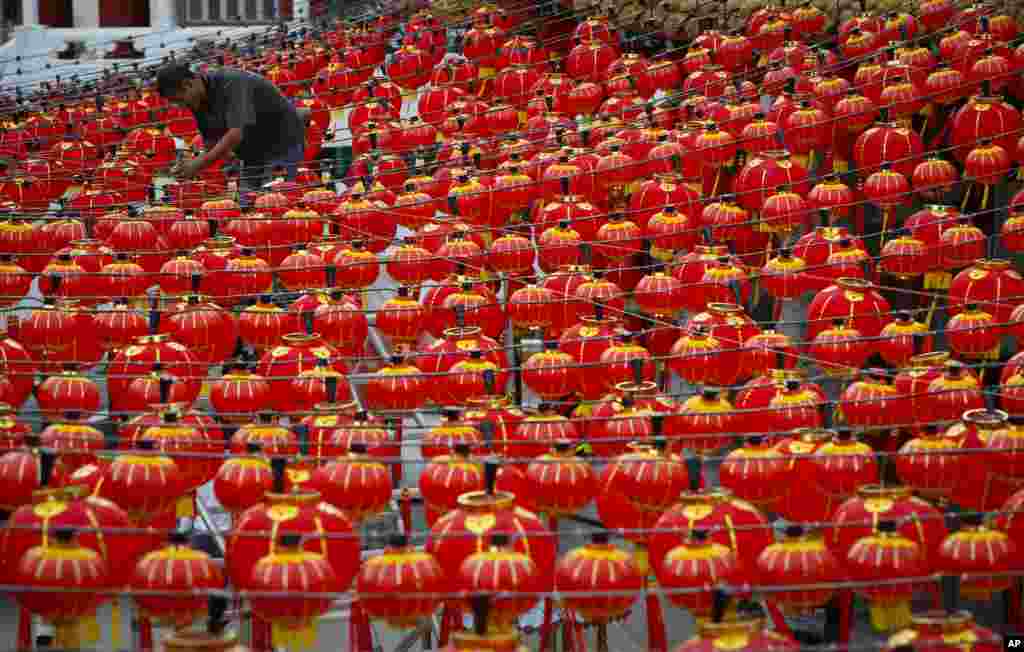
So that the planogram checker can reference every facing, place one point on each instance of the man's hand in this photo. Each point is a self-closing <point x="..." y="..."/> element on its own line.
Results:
<point x="187" y="168"/>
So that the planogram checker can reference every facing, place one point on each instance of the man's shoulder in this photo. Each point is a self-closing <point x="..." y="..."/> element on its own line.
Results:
<point x="233" y="76"/>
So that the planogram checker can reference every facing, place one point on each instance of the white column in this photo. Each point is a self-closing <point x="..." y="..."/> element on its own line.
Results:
<point x="29" y="12"/>
<point x="162" y="14"/>
<point x="86" y="13"/>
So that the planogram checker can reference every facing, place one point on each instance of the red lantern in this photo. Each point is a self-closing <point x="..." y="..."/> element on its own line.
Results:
<point x="243" y="481"/>
<point x="934" y="629"/>
<point x="729" y="521"/>
<point x="991" y="284"/>
<point x="849" y="299"/>
<point x="597" y="568"/>
<point x="754" y="472"/>
<point x="698" y="563"/>
<point x="385" y="580"/>
<point x="497" y="514"/>
<point x="799" y="559"/>
<point x="68" y="581"/>
<point x="179" y="570"/>
<point x="291" y="568"/>
<point x="841" y="466"/>
<point x="980" y="575"/>
<point x="860" y="515"/>
<point x="890" y="556"/>
<point x="561" y="483"/>
<point x="705" y="423"/>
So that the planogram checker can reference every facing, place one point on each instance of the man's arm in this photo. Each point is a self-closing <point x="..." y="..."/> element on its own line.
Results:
<point x="239" y="114"/>
<point x="222" y="150"/>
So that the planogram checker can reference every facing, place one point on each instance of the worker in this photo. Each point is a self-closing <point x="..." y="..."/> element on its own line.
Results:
<point x="240" y="114"/>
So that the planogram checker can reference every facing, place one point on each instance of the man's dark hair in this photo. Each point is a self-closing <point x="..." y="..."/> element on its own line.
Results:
<point x="170" y="78"/>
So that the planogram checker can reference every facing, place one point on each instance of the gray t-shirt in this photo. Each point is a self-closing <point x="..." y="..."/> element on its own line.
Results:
<point x="270" y="125"/>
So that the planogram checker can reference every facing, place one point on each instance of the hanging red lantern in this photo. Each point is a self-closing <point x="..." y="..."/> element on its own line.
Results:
<point x="953" y="390"/>
<point x="860" y="515"/>
<point x="799" y="559"/>
<point x="289" y="567"/>
<point x="872" y="402"/>
<point x="561" y="483"/>
<point x="597" y="568"/>
<point x="754" y="472"/>
<point x="971" y="333"/>
<point x="69" y="581"/>
<point x="850" y="299"/>
<point x="68" y="391"/>
<point x="705" y="423"/>
<point x="144" y="482"/>
<point x="891" y="556"/>
<point x="358" y="485"/>
<point x="532" y="538"/>
<point x="729" y="521"/>
<point x="325" y="528"/>
<point x="935" y="628"/>
<point x="243" y="481"/>
<point x="538" y="433"/>
<point x="763" y="173"/>
<point x="176" y="569"/>
<point x="928" y="463"/>
<point x="841" y="466"/>
<point x="980" y="576"/>
<point x="385" y="579"/>
<point x="698" y="563"/>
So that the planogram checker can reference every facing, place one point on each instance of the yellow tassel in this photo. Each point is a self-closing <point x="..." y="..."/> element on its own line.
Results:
<point x="292" y="638"/>
<point x="804" y="160"/>
<point x="937" y="280"/>
<point x="183" y="508"/>
<point x="886" y="212"/>
<point x="204" y="391"/>
<point x="115" y="624"/>
<point x="984" y="196"/>
<point x="1020" y="173"/>
<point x="66" y="635"/>
<point x="78" y="634"/>
<point x="522" y="118"/>
<point x="967" y="196"/>
<point x="486" y="73"/>
<point x="840" y="166"/>
<point x="889" y="616"/>
<point x="931" y="311"/>
<point x="714" y="186"/>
